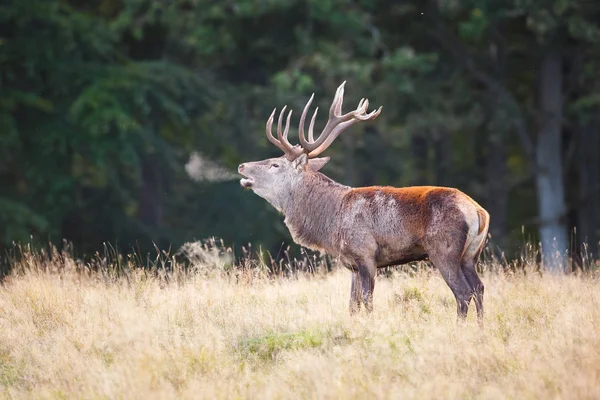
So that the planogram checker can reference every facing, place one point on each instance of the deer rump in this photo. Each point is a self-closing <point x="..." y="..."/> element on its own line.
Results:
<point x="408" y="223"/>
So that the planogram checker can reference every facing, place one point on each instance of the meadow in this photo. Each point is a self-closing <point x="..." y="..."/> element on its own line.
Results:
<point x="73" y="331"/>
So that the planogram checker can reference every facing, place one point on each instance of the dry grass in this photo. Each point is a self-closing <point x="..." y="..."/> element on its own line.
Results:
<point x="66" y="334"/>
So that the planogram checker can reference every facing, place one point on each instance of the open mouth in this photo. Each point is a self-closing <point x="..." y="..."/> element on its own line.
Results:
<point x="246" y="183"/>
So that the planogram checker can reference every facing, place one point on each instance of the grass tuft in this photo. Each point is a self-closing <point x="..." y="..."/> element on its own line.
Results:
<point x="268" y="346"/>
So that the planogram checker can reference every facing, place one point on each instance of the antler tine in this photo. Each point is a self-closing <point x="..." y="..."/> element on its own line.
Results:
<point x="338" y="100"/>
<point x="287" y="129"/>
<point x="279" y="122"/>
<point x="336" y="123"/>
<point x="340" y="128"/>
<point x="369" y="116"/>
<point x="312" y="125"/>
<point x="363" y="105"/>
<point x="283" y="144"/>
<point x="303" y="118"/>
<point x="283" y="137"/>
<point x="270" y="133"/>
<point x="291" y="151"/>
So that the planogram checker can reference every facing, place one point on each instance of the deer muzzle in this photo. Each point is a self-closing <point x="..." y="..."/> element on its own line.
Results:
<point x="246" y="182"/>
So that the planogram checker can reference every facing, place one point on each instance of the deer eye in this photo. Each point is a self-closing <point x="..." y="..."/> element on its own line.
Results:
<point x="275" y="165"/>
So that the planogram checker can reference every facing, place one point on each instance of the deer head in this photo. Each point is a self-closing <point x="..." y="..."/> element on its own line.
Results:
<point x="274" y="179"/>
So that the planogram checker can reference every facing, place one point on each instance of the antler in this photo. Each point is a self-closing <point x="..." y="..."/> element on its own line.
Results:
<point x="336" y="124"/>
<point x="291" y="152"/>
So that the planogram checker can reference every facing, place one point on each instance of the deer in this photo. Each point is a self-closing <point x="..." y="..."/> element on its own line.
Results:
<point x="367" y="228"/>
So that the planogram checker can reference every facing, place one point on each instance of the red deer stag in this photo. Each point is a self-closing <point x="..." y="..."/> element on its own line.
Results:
<point x="369" y="227"/>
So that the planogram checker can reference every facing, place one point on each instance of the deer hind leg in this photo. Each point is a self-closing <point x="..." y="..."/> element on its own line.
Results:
<point x="449" y="266"/>
<point x="468" y="269"/>
<point x="355" y="293"/>
<point x="468" y="265"/>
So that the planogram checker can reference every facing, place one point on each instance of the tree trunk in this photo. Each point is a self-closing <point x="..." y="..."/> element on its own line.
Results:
<point x="549" y="174"/>
<point x="589" y="191"/>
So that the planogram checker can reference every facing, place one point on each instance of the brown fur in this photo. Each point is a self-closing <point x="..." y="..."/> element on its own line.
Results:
<point x="370" y="227"/>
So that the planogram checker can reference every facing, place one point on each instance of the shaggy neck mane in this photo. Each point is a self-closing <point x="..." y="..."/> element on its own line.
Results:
<point x="313" y="210"/>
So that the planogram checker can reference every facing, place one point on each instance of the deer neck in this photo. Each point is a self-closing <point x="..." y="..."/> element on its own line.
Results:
<point x="313" y="211"/>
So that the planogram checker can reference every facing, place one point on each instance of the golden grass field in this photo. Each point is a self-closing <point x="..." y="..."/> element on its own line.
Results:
<point x="72" y="334"/>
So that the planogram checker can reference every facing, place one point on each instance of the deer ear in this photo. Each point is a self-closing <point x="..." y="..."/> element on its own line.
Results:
<point x="300" y="161"/>
<point x="316" y="164"/>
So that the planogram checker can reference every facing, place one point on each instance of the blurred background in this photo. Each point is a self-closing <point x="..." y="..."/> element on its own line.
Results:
<point x="123" y="121"/>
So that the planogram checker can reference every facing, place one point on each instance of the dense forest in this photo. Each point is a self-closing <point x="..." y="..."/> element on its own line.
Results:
<point x="123" y="121"/>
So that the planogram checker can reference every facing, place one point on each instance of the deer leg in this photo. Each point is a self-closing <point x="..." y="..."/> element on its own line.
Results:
<point x="468" y="269"/>
<point x="355" y="293"/>
<point x="367" y="272"/>
<point x="468" y="265"/>
<point x="450" y="268"/>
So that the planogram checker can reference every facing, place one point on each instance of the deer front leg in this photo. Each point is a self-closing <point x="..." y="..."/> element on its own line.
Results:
<point x="367" y="272"/>
<point x="355" y="293"/>
<point x="360" y="249"/>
